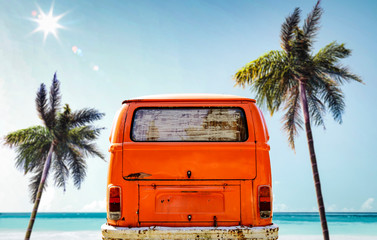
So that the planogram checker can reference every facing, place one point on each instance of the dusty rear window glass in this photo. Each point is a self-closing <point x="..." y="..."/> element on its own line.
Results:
<point x="189" y="125"/>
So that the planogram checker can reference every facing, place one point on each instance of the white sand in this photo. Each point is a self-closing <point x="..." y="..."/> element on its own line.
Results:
<point x="47" y="235"/>
<point x="96" y="235"/>
<point x="332" y="237"/>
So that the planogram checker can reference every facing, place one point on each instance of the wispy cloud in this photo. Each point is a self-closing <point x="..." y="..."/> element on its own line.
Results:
<point x="16" y="198"/>
<point x="280" y="207"/>
<point x="47" y="199"/>
<point x="4" y="105"/>
<point x="348" y="210"/>
<point x="95" y="206"/>
<point x="332" y="208"/>
<point x="367" y="205"/>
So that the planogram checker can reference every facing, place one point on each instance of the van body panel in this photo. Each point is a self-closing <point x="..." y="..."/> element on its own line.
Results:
<point x="177" y="203"/>
<point x="117" y="129"/>
<point x="261" y="134"/>
<point x="166" y="161"/>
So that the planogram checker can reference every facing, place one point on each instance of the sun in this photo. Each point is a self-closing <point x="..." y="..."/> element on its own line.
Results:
<point x="48" y="23"/>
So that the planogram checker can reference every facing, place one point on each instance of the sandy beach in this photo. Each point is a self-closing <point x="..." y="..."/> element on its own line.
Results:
<point x="319" y="237"/>
<point x="96" y="235"/>
<point x="56" y="235"/>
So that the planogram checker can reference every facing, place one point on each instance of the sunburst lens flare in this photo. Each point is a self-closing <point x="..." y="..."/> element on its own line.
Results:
<point x="48" y="23"/>
<point x="74" y="49"/>
<point x="79" y="52"/>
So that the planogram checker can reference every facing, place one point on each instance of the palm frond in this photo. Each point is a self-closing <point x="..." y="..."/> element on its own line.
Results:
<point x="292" y="120"/>
<point x="92" y="150"/>
<point x="341" y="74"/>
<point x="300" y="51"/>
<point x="78" y="134"/>
<point x="82" y="137"/>
<point x="31" y="155"/>
<point x="333" y="97"/>
<point x="317" y="110"/>
<point x="259" y="68"/>
<point x="63" y="124"/>
<point x="54" y="101"/>
<point x="311" y="24"/>
<point x="34" y="183"/>
<point x="287" y="28"/>
<point x="77" y="166"/>
<point x="61" y="172"/>
<point x="32" y="145"/>
<point x="327" y="61"/>
<point x="41" y="103"/>
<point x="84" y="116"/>
<point x="264" y="75"/>
<point x="331" y="53"/>
<point x="31" y="134"/>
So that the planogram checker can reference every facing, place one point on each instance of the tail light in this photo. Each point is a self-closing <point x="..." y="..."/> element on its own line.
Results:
<point x="114" y="203"/>
<point x="264" y="197"/>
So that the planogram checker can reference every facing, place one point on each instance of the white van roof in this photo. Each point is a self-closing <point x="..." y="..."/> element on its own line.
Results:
<point x="189" y="96"/>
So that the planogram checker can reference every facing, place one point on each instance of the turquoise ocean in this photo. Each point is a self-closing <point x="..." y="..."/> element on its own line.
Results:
<point x="59" y="226"/>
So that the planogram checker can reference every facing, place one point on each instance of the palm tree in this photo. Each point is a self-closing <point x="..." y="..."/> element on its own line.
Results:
<point x="294" y="78"/>
<point x="63" y="142"/>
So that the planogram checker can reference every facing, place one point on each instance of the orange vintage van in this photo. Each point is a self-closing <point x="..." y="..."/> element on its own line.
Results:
<point x="189" y="167"/>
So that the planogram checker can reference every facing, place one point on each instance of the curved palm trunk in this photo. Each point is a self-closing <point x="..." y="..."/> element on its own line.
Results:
<point x="39" y="193"/>
<point x="313" y="159"/>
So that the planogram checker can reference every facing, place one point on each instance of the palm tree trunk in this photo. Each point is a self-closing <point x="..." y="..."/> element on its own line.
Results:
<point x="313" y="160"/>
<point x="39" y="193"/>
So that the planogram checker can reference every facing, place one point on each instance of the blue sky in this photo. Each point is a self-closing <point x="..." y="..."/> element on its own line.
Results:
<point x="135" y="48"/>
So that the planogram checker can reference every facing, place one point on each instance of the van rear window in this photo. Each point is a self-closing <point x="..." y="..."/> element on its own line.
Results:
<point x="209" y="124"/>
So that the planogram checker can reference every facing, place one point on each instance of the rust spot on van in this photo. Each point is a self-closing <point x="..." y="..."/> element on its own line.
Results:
<point x="139" y="175"/>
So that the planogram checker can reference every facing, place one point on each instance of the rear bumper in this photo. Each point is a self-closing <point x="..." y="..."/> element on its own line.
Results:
<point x="238" y="232"/>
